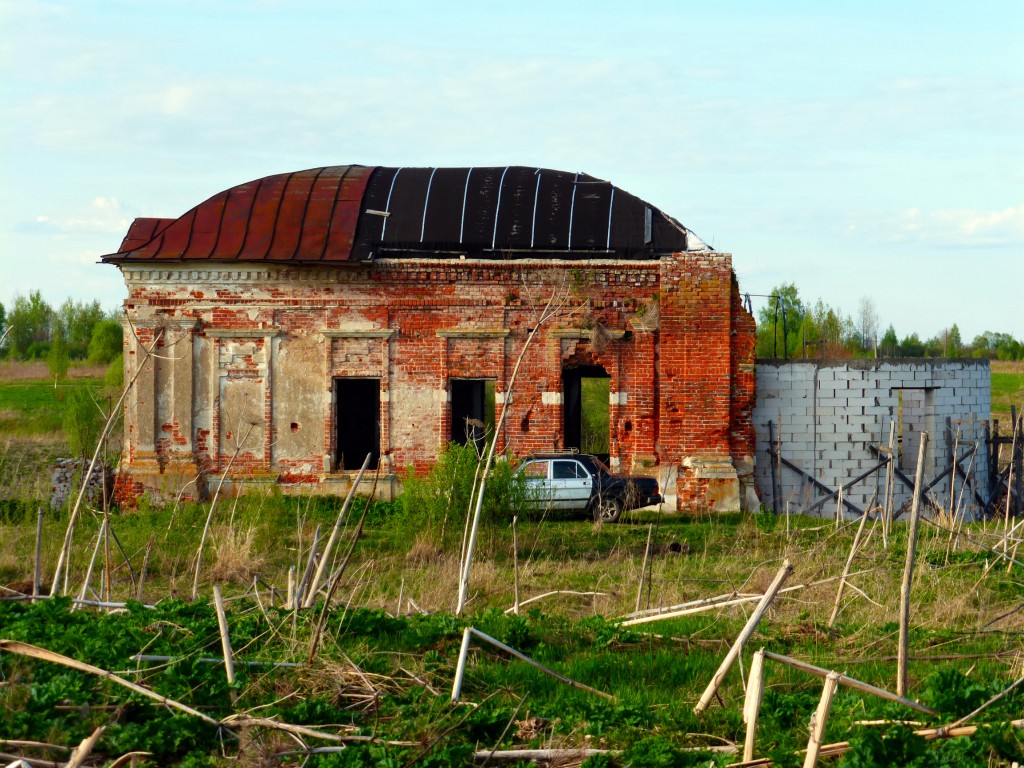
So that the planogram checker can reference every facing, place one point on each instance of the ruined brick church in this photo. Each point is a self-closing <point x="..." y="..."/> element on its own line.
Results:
<point x="286" y="327"/>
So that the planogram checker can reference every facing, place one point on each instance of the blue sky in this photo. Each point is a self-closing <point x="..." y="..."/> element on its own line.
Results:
<point x="859" y="149"/>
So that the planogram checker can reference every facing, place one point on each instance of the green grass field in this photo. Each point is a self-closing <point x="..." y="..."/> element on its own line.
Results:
<point x="1007" y="390"/>
<point x="387" y="648"/>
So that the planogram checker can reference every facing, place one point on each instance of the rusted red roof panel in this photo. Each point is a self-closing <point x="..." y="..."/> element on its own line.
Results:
<point x="142" y="231"/>
<point x="307" y="216"/>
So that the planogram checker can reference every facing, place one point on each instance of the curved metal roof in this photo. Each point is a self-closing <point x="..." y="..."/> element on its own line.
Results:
<point x="351" y="214"/>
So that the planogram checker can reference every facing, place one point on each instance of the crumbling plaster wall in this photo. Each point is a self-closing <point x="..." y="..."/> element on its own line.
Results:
<point x="827" y="415"/>
<point x="247" y="355"/>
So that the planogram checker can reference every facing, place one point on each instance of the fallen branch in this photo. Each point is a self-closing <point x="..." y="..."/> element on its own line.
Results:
<point x="32" y="651"/>
<point x="552" y="594"/>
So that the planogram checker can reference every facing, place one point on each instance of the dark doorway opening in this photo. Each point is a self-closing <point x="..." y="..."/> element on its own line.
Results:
<point x="356" y="422"/>
<point x="472" y="411"/>
<point x="585" y="400"/>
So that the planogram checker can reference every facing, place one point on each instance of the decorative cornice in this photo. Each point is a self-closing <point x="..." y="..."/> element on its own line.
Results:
<point x="255" y="274"/>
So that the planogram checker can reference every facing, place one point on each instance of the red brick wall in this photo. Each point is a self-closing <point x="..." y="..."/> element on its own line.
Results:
<point x="686" y="383"/>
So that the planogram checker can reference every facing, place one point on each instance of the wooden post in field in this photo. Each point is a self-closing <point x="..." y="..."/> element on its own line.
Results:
<point x="515" y="564"/>
<point x="38" y="573"/>
<point x="908" y="570"/>
<point x="752" y="703"/>
<point x="643" y="566"/>
<point x="819" y="719"/>
<point x="225" y="639"/>
<point x="748" y="630"/>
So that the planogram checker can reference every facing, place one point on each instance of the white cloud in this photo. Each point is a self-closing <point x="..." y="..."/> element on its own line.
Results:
<point x="958" y="227"/>
<point x="103" y="215"/>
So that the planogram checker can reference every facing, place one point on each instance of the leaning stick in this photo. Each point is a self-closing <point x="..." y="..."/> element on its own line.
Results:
<point x="467" y="563"/>
<point x="209" y="516"/>
<point x="37" y="573"/>
<point x="460" y="669"/>
<point x="82" y="751"/>
<point x="63" y="558"/>
<point x="315" y="583"/>
<point x="846" y="570"/>
<point x="748" y="630"/>
<point x="988" y="703"/>
<point x="145" y="566"/>
<point x="819" y="718"/>
<point x="849" y="682"/>
<point x="92" y="563"/>
<point x="515" y="566"/>
<point x="300" y="591"/>
<point x="908" y="570"/>
<point x="752" y="703"/>
<point x="643" y="567"/>
<point x="35" y="652"/>
<point x="225" y="638"/>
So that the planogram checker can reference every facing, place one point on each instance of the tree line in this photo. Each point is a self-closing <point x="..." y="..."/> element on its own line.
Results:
<point x="790" y="327"/>
<point x="76" y="330"/>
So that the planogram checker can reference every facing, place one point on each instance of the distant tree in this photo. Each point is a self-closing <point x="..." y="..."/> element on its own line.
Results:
<point x="31" y="321"/>
<point x="76" y="321"/>
<point x="889" y="345"/>
<point x="106" y="342"/>
<point x="779" y="323"/>
<point x="912" y="346"/>
<point x="57" y="358"/>
<point x="3" y="329"/>
<point x="867" y="324"/>
<point x="953" y="343"/>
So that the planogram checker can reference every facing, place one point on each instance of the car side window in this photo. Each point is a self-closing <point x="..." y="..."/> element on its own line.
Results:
<point x="537" y="470"/>
<point x="569" y="470"/>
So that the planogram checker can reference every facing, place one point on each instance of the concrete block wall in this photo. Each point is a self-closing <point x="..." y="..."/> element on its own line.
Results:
<point x="827" y="415"/>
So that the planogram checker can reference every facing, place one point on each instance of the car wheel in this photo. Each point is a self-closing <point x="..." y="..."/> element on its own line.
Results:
<point x="607" y="510"/>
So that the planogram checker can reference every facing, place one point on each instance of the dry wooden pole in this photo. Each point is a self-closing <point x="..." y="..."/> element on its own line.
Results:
<point x="291" y="588"/>
<point x="908" y="570"/>
<point x="849" y="682"/>
<point x="92" y="564"/>
<point x="748" y="630"/>
<point x="819" y="719"/>
<point x="890" y="486"/>
<point x="315" y="584"/>
<point x="145" y="567"/>
<point x="464" y="651"/>
<point x="846" y="569"/>
<point x="467" y="560"/>
<point x="460" y="666"/>
<point x="225" y="638"/>
<point x="300" y="591"/>
<point x="714" y="603"/>
<point x="63" y="559"/>
<point x="25" y="649"/>
<point x="209" y="516"/>
<point x="37" y="574"/>
<point x="82" y="751"/>
<point x="515" y="564"/>
<point x="643" y="567"/>
<point x="752" y="703"/>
